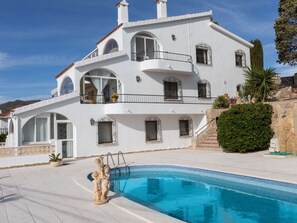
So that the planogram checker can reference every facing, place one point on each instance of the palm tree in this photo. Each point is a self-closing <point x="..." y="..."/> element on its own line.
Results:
<point x="260" y="83"/>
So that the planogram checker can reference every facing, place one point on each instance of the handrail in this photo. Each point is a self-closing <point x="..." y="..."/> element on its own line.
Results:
<point x="196" y="133"/>
<point x="120" y="153"/>
<point x="162" y="55"/>
<point x="145" y="98"/>
<point x="107" y="160"/>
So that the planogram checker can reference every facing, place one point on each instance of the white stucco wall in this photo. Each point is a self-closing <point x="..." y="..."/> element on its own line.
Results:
<point x="222" y="74"/>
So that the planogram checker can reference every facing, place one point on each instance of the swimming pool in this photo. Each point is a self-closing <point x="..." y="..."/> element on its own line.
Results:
<point x="197" y="195"/>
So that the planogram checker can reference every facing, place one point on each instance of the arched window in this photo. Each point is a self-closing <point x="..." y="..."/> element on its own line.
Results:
<point x="107" y="131"/>
<point x="172" y="88"/>
<point x="204" y="89"/>
<point x="203" y="54"/>
<point x="36" y="130"/>
<point x="111" y="47"/>
<point x="185" y="126"/>
<point x="98" y="86"/>
<point x="240" y="60"/>
<point x="153" y="130"/>
<point x="144" y="47"/>
<point x="67" y="86"/>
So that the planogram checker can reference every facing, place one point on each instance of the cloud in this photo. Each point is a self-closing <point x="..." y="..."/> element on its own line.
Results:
<point x="7" y="61"/>
<point x="285" y="70"/>
<point x="238" y="17"/>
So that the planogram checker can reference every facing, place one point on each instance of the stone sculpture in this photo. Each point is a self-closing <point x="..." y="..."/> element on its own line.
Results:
<point x="101" y="182"/>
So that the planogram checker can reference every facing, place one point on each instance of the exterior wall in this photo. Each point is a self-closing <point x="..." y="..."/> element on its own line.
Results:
<point x="222" y="74"/>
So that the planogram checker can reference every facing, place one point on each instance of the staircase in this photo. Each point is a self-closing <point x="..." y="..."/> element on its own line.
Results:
<point x="208" y="142"/>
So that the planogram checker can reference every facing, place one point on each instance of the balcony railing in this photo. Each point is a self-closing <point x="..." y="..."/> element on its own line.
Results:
<point x="3" y="130"/>
<point x="161" y="55"/>
<point x="144" y="98"/>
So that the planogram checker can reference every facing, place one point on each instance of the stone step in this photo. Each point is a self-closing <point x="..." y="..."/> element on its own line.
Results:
<point x="210" y="142"/>
<point x="212" y="138"/>
<point x="210" y="148"/>
<point x="214" y="145"/>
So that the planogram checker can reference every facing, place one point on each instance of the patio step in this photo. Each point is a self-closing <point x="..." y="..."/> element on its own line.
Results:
<point x="210" y="142"/>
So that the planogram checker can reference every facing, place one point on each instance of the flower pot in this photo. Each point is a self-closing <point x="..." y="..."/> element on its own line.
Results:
<point x="56" y="164"/>
<point x="114" y="100"/>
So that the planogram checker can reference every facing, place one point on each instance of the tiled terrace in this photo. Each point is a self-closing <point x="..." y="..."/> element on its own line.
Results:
<point x="46" y="194"/>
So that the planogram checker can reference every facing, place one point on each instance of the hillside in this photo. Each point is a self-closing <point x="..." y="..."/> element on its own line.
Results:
<point x="8" y="106"/>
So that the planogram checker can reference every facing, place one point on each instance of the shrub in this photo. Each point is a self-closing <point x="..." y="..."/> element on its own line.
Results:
<point x="221" y="102"/>
<point x="3" y="137"/>
<point x="245" y="128"/>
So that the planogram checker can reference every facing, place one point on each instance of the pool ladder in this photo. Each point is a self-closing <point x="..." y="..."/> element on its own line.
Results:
<point x="117" y="167"/>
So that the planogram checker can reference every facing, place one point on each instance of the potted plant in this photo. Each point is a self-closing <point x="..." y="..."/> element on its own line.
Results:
<point x="114" y="97"/>
<point x="55" y="160"/>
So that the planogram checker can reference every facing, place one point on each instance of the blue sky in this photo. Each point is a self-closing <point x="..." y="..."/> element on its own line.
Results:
<point x="40" y="38"/>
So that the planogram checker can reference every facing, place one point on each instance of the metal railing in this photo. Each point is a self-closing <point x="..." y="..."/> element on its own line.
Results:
<point x="144" y="98"/>
<point x="205" y="127"/>
<point x="161" y="55"/>
<point x="3" y="130"/>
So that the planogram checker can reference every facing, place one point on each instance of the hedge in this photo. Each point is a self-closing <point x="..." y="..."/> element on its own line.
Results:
<point x="3" y="137"/>
<point x="245" y="128"/>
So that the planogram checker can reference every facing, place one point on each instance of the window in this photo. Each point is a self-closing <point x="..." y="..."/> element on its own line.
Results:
<point x="203" y="54"/>
<point x="104" y="132"/>
<point x="111" y="47"/>
<point x="204" y="90"/>
<point x="153" y="129"/>
<point x="107" y="131"/>
<point x="144" y="47"/>
<point x="240" y="58"/>
<point x="67" y="86"/>
<point x="36" y="130"/>
<point x="185" y="126"/>
<point x="172" y="88"/>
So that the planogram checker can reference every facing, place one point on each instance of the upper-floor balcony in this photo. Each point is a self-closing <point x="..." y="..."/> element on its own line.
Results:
<point x="149" y="104"/>
<point x="164" y="62"/>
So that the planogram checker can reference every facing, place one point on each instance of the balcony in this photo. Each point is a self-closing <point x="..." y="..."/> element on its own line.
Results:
<point x="164" y="62"/>
<point x="150" y="104"/>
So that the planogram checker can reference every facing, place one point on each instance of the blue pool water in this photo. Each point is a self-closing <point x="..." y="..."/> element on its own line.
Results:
<point x="195" y="195"/>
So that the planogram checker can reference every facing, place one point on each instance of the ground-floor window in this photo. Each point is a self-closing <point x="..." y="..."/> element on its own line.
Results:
<point x="104" y="132"/>
<point x="153" y="129"/>
<point x="185" y="126"/>
<point x="107" y="131"/>
<point x="36" y="130"/>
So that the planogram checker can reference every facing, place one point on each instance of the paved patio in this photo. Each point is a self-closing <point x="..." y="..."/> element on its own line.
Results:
<point x="46" y="194"/>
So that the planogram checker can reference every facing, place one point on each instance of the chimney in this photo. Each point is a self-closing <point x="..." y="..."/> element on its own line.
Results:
<point x="161" y="8"/>
<point x="123" y="15"/>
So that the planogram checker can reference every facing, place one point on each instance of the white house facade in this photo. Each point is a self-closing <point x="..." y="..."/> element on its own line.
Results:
<point x="146" y="86"/>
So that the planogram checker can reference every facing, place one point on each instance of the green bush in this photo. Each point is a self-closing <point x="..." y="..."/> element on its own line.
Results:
<point x="3" y="137"/>
<point x="221" y="102"/>
<point x="245" y="128"/>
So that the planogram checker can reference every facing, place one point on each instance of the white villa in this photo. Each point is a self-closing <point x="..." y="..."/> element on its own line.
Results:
<point x="166" y="73"/>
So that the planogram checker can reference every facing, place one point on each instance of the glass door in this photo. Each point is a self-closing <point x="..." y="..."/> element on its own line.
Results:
<point x="65" y="135"/>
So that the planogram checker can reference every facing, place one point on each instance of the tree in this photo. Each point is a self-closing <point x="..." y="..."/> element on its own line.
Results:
<point x="286" y="32"/>
<point x="257" y="55"/>
<point x="259" y="84"/>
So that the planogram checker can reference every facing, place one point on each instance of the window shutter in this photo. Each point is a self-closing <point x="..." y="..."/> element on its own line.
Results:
<point x="114" y="132"/>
